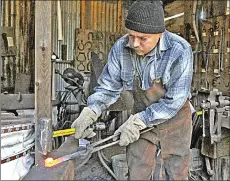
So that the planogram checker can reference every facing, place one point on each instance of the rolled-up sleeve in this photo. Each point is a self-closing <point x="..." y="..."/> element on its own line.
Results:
<point x="110" y="84"/>
<point x="177" y="91"/>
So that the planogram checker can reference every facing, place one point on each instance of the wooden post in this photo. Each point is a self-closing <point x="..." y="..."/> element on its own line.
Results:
<point x="43" y="76"/>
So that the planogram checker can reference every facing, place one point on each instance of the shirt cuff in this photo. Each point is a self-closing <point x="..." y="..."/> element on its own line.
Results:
<point x="96" y="109"/>
<point x="142" y="117"/>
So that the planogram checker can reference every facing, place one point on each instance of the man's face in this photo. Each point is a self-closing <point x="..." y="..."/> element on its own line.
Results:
<point x="143" y="43"/>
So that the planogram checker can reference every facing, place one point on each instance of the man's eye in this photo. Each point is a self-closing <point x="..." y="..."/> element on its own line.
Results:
<point x="143" y="38"/>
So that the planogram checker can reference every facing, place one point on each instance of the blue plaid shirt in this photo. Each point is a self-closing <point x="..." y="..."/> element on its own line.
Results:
<point x="172" y="63"/>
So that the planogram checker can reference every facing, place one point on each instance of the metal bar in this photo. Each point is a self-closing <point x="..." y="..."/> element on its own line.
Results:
<point x="211" y="119"/>
<point x="174" y="16"/>
<point x="105" y="146"/>
<point x="104" y="140"/>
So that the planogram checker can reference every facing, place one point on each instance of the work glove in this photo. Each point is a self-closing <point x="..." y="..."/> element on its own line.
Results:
<point x="130" y="130"/>
<point x="85" y="119"/>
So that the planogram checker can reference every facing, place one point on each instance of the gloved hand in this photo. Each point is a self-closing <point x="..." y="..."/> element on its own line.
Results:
<point x="85" y="119"/>
<point x="130" y="130"/>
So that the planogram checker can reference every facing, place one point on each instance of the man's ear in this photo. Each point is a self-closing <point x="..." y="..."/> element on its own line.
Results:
<point x="160" y="35"/>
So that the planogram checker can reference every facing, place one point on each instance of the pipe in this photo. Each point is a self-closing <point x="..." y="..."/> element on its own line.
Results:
<point x="104" y="157"/>
<point x="194" y="22"/>
<point x="174" y="16"/>
<point x="107" y="168"/>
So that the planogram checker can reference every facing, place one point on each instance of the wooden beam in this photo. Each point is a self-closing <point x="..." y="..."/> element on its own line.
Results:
<point x="43" y="76"/>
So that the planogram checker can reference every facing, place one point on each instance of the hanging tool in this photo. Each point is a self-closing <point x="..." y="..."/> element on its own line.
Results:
<point x="83" y="153"/>
<point x="221" y="51"/>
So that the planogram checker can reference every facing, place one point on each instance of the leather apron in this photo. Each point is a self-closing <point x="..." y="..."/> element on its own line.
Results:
<point x="173" y="136"/>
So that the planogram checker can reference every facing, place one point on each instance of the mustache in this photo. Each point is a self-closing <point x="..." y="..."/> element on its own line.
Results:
<point x="134" y="48"/>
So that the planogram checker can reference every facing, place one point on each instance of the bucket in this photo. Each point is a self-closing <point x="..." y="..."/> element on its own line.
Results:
<point x="120" y="167"/>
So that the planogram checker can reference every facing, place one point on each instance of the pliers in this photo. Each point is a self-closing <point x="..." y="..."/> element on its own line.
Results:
<point x="86" y="152"/>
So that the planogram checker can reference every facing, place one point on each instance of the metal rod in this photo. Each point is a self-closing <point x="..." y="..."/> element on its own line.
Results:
<point x="105" y="146"/>
<point x="104" y="140"/>
<point x="174" y="16"/>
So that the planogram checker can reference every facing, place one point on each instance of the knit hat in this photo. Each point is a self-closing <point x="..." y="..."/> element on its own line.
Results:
<point x="146" y="17"/>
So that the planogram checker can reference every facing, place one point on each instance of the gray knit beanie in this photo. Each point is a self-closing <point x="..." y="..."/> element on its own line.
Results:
<point x="146" y="17"/>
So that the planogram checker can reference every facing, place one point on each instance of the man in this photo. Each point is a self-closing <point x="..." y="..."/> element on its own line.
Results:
<point x="156" y="66"/>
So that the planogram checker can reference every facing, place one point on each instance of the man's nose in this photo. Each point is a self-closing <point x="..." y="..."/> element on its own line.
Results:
<point x="136" y="43"/>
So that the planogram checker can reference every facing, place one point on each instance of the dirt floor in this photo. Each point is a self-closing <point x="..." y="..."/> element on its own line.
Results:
<point x="94" y="170"/>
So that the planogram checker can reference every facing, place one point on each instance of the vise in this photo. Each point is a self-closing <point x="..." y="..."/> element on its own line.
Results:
<point x="218" y="108"/>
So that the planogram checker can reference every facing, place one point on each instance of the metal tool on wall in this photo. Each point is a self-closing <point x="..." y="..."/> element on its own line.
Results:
<point x="221" y="53"/>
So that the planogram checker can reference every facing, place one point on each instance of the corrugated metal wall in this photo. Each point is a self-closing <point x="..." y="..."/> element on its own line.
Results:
<point x="101" y="15"/>
<point x="98" y="15"/>
<point x="63" y="35"/>
<point x="70" y="18"/>
<point x="20" y="16"/>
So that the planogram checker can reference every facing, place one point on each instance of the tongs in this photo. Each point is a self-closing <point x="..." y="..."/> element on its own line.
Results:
<point x="86" y="152"/>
